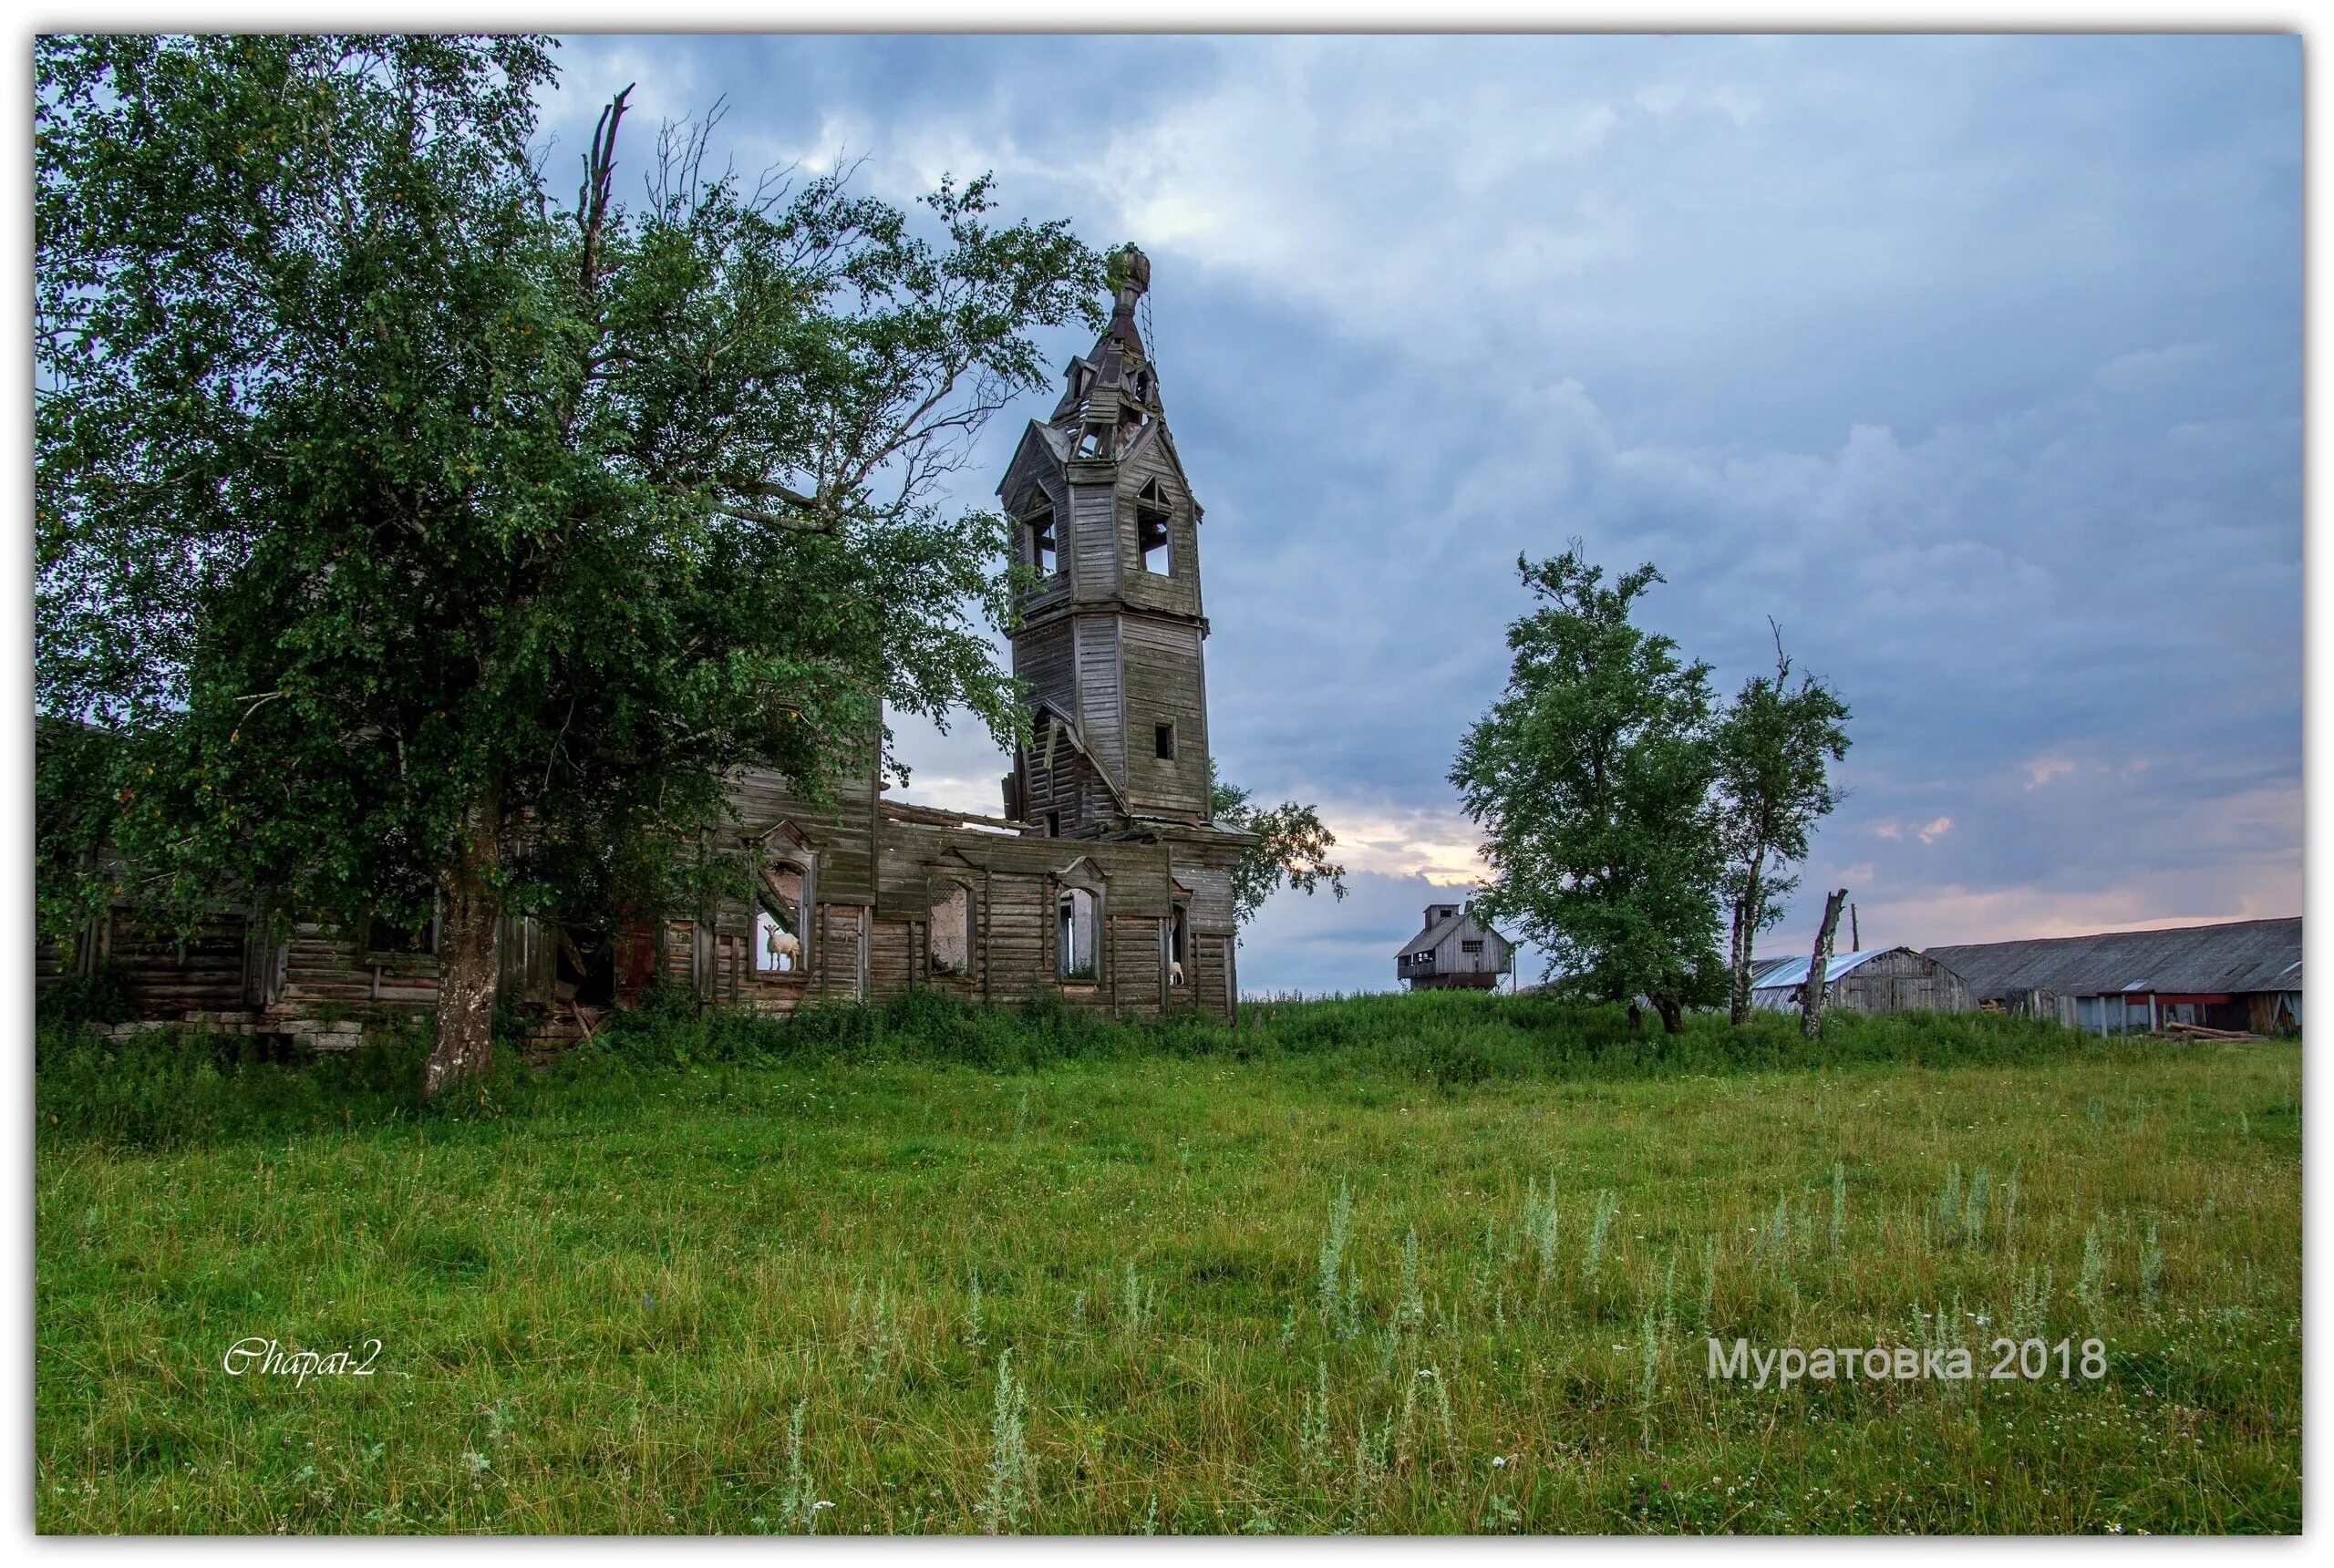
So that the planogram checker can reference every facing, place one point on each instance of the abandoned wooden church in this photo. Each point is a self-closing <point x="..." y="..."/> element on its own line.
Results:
<point x="1103" y="882"/>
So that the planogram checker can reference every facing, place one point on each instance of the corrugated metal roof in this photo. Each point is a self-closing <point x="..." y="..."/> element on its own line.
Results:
<point x="2236" y="956"/>
<point x="1784" y="973"/>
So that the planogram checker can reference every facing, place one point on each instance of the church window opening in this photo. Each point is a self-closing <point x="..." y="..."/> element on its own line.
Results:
<point x="1074" y="935"/>
<point x="951" y="929"/>
<point x="777" y="920"/>
<point x="1043" y="554"/>
<point x="1162" y="741"/>
<point x="1154" y="536"/>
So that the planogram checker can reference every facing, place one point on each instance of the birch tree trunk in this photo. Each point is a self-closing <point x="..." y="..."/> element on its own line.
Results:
<point x="469" y="953"/>
<point x="1811" y="1005"/>
<point x="1748" y="908"/>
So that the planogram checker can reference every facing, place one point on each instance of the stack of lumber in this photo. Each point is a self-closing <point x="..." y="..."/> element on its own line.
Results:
<point x="2179" y="1031"/>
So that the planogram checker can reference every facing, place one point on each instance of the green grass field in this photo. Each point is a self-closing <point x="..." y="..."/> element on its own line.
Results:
<point x="1399" y="1265"/>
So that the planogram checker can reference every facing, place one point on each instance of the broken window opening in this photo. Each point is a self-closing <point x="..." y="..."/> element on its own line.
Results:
<point x="1153" y="530"/>
<point x="388" y="936"/>
<point x="1043" y="555"/>
<point x="584" y="968"/>
<point x="950" y="934"/>
<point x="1074" y="935"/>
<point x="779" y="947"/>
<point x="1094" y="442"/>
<point x="1177" y="934"/>
<point x="1162" y="741"/>
<point x="1471" y="945"/>
<point x="1053" y="824"/>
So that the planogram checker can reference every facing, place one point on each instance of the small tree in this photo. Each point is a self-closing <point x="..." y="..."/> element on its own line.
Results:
<point x="1591" y="777"/>
<point x="1292" y="849"/>
<point x="428" y="541"/>
<point x="1775" y="746"/>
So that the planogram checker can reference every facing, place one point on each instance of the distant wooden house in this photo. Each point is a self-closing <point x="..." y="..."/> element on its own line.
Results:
<point x="1878" y="980"/>
<point x="1453" y="950"/>
<point x="1106" y="884"/>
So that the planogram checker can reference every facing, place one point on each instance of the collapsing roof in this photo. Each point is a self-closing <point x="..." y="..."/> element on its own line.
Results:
<point x="1766" y="972"/>
<point x="2236" y="957"/>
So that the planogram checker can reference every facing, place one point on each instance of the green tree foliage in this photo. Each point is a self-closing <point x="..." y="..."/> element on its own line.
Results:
<point x="1591" y="775"/>
<point x="1775" y="746"/>
<point x="428" y="541"/>
<point x="1292" y="848"/>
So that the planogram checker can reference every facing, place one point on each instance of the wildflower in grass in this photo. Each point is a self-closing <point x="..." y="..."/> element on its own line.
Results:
<point x="1349" y="1306"/>
<point x="1479" y="1277"/>
<point x="1370" y="1451"/>
<point x="1403" y="1445"/>
<point x="974" y="1331"/>
<point x="2090" y="1291"/>
<point x="1134" y="1303"/>
<point x="1313" y="1423"/>
<point x="1648" y="1374"/>
<point x="1777" y="1240"/>
<point x="1600" y="1225"/>
<point x="1540" y="1225"/>
<point x="1008" y="1502"/>
<point x="1973" y="1209"/>
<point x="799" y="1506"/>
<point x="2151" y="1267"/>
<point x="2030" y="1308"/>
<point x="1440" y="1390"/>
<point x="1333" y="1250"/>
<point x="1410" y="1314"/>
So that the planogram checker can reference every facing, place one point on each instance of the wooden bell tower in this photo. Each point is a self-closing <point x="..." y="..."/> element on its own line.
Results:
<point x="1109" y="631"/>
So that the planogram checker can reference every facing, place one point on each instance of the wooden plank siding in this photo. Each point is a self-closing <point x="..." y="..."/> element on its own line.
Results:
<point x="1101" y="710"/>
<point x="1093" y="541"/>
<point x="1163" y="686"/>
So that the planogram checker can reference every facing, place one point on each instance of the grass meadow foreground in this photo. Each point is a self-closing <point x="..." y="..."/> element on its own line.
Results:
<point x="1393" y="1264"/>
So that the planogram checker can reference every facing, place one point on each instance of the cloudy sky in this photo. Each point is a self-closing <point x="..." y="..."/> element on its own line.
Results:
<point x="1975" y="363"/>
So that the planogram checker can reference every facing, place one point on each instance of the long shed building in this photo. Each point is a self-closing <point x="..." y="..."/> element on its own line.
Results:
<point x="2243" y="974"/>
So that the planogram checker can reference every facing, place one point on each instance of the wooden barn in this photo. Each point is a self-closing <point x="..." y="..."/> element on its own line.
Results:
<point x="2238" y="974"/>
<point x="1879" y="980"/>
<point x="1453" y="950"/>
<point x="1104" y="883"/>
